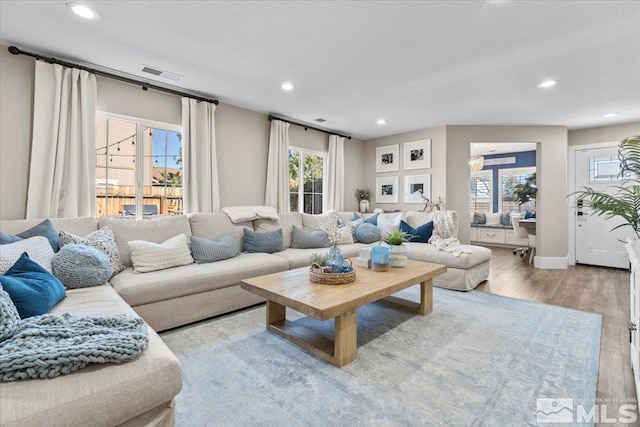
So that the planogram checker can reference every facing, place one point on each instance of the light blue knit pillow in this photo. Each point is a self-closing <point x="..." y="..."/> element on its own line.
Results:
<point x="9" y="317"/>
<point x="81" y="266"/>
<point x="303" y="239"/>
<point x="205" y="250"/>
<point x="263" y="242"/>
<point x="368" y="233"/>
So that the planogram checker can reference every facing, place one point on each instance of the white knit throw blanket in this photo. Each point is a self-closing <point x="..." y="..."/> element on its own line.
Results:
<point x="48" y="346"/>
<point x="451" y="244"/>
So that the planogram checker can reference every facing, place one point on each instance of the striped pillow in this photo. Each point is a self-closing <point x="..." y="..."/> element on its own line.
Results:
<point x="302" y="239"/>
<point x="149" y="256"/>
<point x="205" y="250"/>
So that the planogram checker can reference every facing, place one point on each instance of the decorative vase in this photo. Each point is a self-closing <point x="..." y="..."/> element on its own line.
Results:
<point x="379" y="258"/>
<point x="335" y="260"/>
<point x="364" y="206"/>
<point x="397" y="258"/>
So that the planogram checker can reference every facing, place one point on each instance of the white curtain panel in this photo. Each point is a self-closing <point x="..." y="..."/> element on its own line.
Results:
<point x="334" y="192"/>
<point x="62" y="171"/>
<point x="277" y="189"/>
<point x="201" y="188"/>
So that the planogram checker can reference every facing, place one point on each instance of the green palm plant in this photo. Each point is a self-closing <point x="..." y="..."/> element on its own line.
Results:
<point x="626" y="203"/>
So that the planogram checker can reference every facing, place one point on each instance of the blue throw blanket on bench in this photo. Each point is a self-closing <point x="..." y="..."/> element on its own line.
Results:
<point x="48" y="346"/>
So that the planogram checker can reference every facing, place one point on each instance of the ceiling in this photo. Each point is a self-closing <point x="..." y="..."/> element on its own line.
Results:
<point x="415" y="64"/>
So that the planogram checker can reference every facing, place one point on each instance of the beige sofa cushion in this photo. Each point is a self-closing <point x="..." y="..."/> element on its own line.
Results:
<point x="316" y="222"/>
<point x="300" y="257"/>
<point x="156" y="230"/>
<point x="100" y="394"/>
<point x="145" y="288"/>
<point x="217" y="224"/>
<point x="286" y="222"/>
<point x="429" y="253"/>
<point x="80" y="226"/>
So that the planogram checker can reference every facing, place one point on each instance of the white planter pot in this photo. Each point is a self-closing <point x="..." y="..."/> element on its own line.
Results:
<point x="397" y="259"/>
<point x="364" y="206"/>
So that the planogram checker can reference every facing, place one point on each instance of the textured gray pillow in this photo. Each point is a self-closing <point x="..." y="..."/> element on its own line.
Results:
<point x="81" y="266"/>
<point x="9" y="317"/>
<point x="205" y="250"/>
<point x="479" y="218"/>
<point x="303" y="239"/>
<point x="102" y="239"/>
<point x="368" y="233"/>
<point x="263" y="242"/>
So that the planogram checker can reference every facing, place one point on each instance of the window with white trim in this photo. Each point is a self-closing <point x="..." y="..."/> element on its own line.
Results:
<point x="481" y="191"/>
<point x="138" y="167"/>
<point x="508" y="179"/>
<point x="306" y="177"/>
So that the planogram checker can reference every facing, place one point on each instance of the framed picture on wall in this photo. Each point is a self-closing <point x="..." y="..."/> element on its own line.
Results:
<point x="387" y="190"/>
<point x="416" y="186"/>
<point x="417" y="154"/>
<point x="387" y="158"/>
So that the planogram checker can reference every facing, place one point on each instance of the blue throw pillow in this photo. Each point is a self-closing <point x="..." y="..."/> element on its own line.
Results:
<point x="205" y="250"/>
<point x="303" y="239"/>
<point x="355" y="217"/>
<point x="368" y="233"/>
<point x="421" y="234"/>
<point x="505" y="219"/>
<point x="33" y="290"/>
<point x="372" y="220"/>
<point x="45" y="228"/>
<point x="528" y="215"/>
<point x="81" y="266"/>
<point x="263" y="242"/>
<point x="479" y="218"/>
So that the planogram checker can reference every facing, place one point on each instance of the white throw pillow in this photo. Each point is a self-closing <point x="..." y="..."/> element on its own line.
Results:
<point x="345" y="235"/>
<point x="387" y="226"/>
<point x="148" y="256"/>
<point x="493" y="218"/>
<point x="38" y="248"/>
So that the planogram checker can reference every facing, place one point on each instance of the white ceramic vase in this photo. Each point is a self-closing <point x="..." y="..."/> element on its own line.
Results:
<point x="364" y="206"/>
<point x="397" y="258"/>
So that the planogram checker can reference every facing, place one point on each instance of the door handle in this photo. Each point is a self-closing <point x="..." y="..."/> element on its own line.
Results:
<point x="632" y="326"/>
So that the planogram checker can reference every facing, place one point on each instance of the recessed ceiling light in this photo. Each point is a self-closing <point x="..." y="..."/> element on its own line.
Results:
<point x="83" y="11"/>
<point x="548" y="83"/>
<point x="611" y="115"/>
<point x="381" y="121"/>
<point x="287" y="86"/>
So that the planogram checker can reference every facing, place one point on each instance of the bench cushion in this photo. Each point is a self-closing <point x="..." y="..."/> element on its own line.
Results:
<point x="429" y="253"/>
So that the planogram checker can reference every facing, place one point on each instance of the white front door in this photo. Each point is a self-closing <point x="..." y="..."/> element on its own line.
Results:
<point x="595" y="243"/>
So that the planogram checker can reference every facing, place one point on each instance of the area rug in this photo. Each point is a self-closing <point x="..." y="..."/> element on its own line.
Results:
<point x="477" y="360"/>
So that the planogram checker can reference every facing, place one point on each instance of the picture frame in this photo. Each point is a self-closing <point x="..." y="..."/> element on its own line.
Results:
<point x="387" y="158"/>
<point x="387" y="190"/>
<point x="414" y="185"/>
<point x="417" y="154"/>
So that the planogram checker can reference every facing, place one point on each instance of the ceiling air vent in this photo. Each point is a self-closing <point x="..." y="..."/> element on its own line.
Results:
<point x="319" y="120"/>
<point x="160" y="73"/>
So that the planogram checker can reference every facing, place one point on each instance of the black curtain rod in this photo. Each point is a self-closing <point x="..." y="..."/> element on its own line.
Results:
<point x="15" y="51"/>
<point x="271" y="117"/>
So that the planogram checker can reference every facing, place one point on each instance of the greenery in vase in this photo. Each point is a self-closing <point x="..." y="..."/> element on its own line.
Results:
<point x="626" y="203"/>
<point x="362" y="194"/>
<point x="396" y="237"/>
<point x="526" y="192"/>
<point x="319" y="259"/>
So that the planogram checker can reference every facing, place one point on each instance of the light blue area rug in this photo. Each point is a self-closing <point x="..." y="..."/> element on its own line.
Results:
<point x="477" y="360"/>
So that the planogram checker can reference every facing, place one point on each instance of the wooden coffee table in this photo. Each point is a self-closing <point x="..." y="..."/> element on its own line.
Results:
<point x="322" y="302"/>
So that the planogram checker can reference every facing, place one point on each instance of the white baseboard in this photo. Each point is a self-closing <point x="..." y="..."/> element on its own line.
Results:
<point x="550" y="263"/>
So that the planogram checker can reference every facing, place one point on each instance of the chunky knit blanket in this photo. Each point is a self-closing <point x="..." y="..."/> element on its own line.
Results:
<point x="48" y="346"/>
<point x="451" y="244"/>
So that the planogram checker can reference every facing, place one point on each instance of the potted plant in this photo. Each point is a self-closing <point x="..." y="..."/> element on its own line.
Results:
<point x="396" y="240"/>
<point x="526" y="192"/>
<point x="363" y="199"/>
<point x="626" y="203"/>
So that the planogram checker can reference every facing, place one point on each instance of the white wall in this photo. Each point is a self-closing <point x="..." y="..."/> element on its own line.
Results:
<point x="603" y="134"/>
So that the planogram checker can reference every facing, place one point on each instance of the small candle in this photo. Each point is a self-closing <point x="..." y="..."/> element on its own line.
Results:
<point x="380" y="255"/>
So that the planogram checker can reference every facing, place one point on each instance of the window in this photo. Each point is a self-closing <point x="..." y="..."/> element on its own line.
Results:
<point x="509" y="178"/>
<point x="131" y="151"/>
<point x="481" y="194"/>
<point x="604" y="169"/>
<point x="306" y="177"/>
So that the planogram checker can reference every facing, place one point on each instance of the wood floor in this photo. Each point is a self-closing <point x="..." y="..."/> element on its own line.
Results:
<point x="595" y="289"/>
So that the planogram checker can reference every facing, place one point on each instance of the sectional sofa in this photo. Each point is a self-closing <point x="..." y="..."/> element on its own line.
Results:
<point x="142" y="392"/>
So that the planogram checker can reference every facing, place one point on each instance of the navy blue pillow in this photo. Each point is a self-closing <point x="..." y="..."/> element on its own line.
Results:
<point x="373" y="219"/>
<point x="421" y="234"/>
<point x="528" y="215"/>
<point x="33" y="290"/>
<point x="263" y="242"/>
<point x="45" y="228"/>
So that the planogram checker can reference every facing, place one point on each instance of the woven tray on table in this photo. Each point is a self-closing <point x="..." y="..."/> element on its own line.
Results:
<point x="316" y="275"/>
